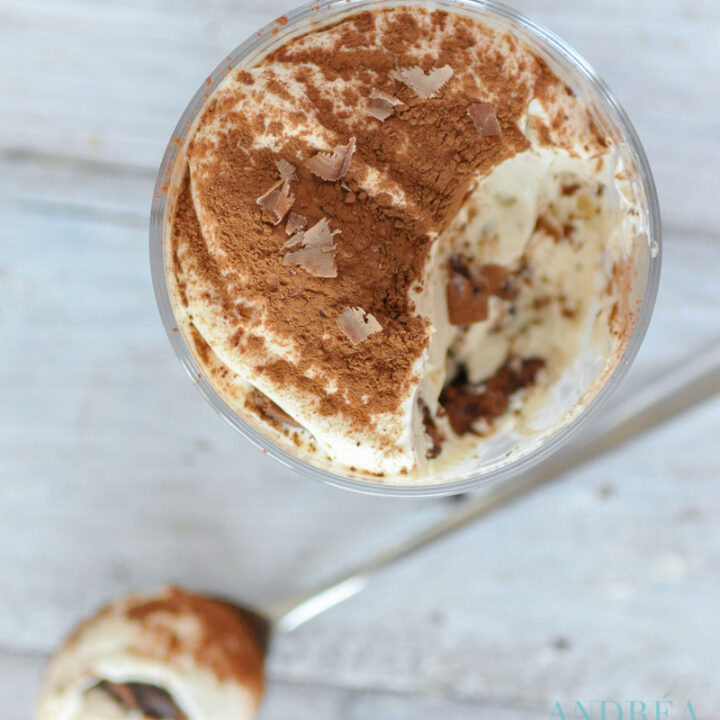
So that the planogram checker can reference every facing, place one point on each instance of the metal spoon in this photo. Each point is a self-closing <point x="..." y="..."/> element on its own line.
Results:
<point x="689" y="384"/>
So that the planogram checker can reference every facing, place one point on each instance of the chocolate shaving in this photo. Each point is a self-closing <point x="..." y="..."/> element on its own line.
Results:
<point x="485" y="118"/>
<point x="357" y="324"/>
<point x="468" y="406"/>
<point x="285" y="169"/>
<point x="276" y="202"/>
<point x="150" y="700"/>
<point x="293" y="240"/>
<point x="332" y="166"/>
<point x="316" y="255"/>
<point x="295" y="222"/>
<point x="425" y="86"/>
<point x="382" y="105"/>
<point x="315" y="261"/>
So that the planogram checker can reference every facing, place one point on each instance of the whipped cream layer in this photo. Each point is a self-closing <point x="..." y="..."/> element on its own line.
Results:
<point x="169" y="654"/>
<point x="470" y="211"/>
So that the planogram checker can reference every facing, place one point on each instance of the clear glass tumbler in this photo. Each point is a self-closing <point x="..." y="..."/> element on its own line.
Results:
<point x="588" y="86"/>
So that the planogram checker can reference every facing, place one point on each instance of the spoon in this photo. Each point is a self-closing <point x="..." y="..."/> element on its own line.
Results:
<point x="690" y="383"/>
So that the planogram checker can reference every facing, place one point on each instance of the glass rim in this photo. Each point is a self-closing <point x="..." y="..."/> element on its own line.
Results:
<point x="274" y="33"/>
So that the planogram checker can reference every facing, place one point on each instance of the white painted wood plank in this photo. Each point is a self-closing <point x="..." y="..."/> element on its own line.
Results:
<point x="20" y="677"/>
<point x="667" y="9"/>
<point x="91" y="394"/>
<point x="111" y="193"/>
<point x="58" y="193"/>
<point x="112" y="78"/>
<point x="605" y="586"/>
<point x="117" y="476"/>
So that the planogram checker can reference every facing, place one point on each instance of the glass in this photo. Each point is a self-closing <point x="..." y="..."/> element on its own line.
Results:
<point x="590" y="89"/>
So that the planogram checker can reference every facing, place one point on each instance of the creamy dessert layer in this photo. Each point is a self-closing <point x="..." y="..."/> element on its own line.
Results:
<point x="393" y="236"/>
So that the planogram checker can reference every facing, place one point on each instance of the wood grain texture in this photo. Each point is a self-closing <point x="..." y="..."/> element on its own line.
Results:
<point x="116" y="475"/>
<point x="115" y="77"/>
<point x="20" y="675"/>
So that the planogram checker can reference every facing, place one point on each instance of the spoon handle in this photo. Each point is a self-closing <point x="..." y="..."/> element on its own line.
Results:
<point x="692" y="382"/>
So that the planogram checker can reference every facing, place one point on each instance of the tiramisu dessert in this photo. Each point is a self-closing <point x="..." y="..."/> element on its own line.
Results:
<point x="172" y="654"/>
<point x="394" y="237"/>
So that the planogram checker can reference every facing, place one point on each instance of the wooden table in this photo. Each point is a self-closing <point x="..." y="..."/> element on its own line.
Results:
<point x="115" y="474"/>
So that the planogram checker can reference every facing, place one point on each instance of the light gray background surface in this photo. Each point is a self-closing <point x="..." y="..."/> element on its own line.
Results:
<point x="115" y="475"/>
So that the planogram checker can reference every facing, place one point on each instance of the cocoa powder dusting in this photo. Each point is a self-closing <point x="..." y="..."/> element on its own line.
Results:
<point x="227" y="646"/>
<point x="429" y="148"/>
